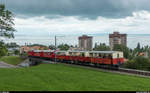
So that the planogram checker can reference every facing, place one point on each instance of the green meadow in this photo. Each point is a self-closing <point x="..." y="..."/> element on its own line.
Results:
<point x="60" y="77"/>
<point x="14" y="60"/>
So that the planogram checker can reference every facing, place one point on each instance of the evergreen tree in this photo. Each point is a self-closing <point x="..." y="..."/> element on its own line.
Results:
<point x="138" y="46"/>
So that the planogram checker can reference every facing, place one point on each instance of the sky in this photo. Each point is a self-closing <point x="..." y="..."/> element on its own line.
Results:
<point x="75" y="17"/>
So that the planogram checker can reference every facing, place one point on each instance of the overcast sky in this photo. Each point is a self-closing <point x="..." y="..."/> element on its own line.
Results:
<point x="80" y="16"/>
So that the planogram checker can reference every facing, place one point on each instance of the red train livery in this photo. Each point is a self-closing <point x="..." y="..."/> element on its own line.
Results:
<point x="112" y="58"/>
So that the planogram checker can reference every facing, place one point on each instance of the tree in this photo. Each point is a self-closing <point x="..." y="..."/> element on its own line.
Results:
<point x="3" y="49"/>
<point x="64" y="47"/>
<point x="95" y="46"/>
<point x="124" y="49"/>
<point x="139" y="62"/>
<point x="12" y="45"/>
<point x="36" y="45"/>
<point x="101" y="47"/>
<point x="6" y="28"/>
<point x="52" y="47"/>
<point x="6" y="22"/>
<point x="138" y="46"/>
<point x="16" y="52"/>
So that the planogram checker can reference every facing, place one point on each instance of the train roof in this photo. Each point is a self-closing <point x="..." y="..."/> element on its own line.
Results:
<point x="77" y="51"/>
<point x="43" y="50"/>
<point x="105" y="52"/>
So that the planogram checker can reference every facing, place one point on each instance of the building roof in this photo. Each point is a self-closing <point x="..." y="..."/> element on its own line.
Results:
<point x="116" y="34"/>
<point x="30" y="48"/>
<point x="85" y="37"/>
<point x="105" y="52"/>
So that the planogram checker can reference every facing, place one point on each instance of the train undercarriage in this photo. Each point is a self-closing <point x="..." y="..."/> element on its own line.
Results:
<point x="38" y="60"/>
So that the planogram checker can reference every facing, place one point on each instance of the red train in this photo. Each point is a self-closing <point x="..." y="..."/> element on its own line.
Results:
<point x="98" y="58"/>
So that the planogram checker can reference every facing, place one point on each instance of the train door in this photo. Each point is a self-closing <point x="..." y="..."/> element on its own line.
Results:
<point x="118" y="59"/>
<point x="111" y="58"/>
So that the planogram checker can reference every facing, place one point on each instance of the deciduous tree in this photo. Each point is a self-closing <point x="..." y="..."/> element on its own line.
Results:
<point x="6" y="22"/>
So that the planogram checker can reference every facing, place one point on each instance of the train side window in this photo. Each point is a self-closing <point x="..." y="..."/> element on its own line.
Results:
<point x="104" y="56"/>
<point x="110" y="56"/>
<point x="117" y="55"/>
<point x="91" y="55"/>
<point x="70" y="54"/>
<point x="82" y="54"/>
<point x="99" y="55"/>
<point x="95" y="55"/>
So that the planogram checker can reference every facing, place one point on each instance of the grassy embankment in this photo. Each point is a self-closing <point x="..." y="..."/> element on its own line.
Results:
<point x="59" y="77"/>
<point x="14" y="60"/>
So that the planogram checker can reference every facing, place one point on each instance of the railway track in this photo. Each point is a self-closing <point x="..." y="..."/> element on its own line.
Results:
<point x="119" y="70"/>
<point x="133" y="71"/>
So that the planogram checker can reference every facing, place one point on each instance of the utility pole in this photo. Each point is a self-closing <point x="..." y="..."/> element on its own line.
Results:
<point x="55" y="47"/>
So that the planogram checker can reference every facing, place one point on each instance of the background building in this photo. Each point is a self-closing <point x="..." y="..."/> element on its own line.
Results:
<point x="117" y="38"/>
<point x="25" y="49"/>
<point x="85" y="42"/>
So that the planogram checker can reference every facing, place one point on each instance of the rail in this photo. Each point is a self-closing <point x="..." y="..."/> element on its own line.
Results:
<point x="133" y="71"/>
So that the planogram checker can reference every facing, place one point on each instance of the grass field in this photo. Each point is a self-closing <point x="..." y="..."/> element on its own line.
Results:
<point x="59" y="77"/>
<point x="14" y="60"/>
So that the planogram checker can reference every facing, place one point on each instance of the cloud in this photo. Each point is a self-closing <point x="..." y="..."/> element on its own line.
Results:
<point x="83" y="8"/>
<point x="138" y="23"/>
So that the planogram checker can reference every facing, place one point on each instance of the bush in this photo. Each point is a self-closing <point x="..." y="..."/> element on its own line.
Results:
<point x="139" y="62"/>
<point x="3" y="49"/>
<point x="16" y="52"/>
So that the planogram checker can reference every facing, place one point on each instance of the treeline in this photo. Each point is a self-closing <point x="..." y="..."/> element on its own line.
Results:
<point x="104" y="47"/>
<point x="101" y="47"/>
<point x="4" y="48"/>
<point x="61" y="47"/>
<point x="139" y="62"/>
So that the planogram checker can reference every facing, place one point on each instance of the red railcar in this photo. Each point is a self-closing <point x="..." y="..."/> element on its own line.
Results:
<point x="95" y="57"/>
<point x="107" y="57"/>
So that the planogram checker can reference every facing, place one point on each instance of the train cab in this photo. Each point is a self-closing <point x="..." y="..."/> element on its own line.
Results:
<point x="117" y="58"/>
<point x="106" y="57"/>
